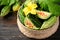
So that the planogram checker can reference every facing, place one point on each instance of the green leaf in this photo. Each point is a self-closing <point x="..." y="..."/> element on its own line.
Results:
<point x="4" y="2"/>
<point x="55" y="1"/>
<point x="43" y="5"/>
<point x="51" y="6"/>
<point x="12" y="2"/>
<point x="54" y="8"/>
<point x="0" y="1"/>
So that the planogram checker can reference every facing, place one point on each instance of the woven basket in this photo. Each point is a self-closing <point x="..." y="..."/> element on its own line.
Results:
<point x="37" y="34"/>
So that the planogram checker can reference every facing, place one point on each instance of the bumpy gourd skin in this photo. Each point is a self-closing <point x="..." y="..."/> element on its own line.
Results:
<point x="28" y="23"/>
<point x="36" y="21"/>
<point x="48" y="23"/>
<point x="7" y="6"/>
<point x="5" y="11"/>
<point x="21" y="14"/>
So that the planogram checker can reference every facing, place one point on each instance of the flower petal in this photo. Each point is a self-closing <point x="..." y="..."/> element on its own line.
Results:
<point x="33" y="11"/>
<point x="26" y="10"/>
<point x="32" y="5"/>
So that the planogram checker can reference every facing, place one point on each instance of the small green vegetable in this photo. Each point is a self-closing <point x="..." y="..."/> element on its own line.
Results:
<point x="35" y="20"/>
<point x="21" y="15"/>
<point x="5" y="11"/>
<point x="28" y="23"/>
<point x="7" y="5"/>
<point x="48" y="23"/>
<point x="43" y="14"/>
<point x="16" y="6"/>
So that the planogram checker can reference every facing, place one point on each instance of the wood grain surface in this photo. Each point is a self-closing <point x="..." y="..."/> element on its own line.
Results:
<point x="10" y="31"/>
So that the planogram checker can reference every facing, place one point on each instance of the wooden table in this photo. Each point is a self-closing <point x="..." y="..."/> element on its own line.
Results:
<point x="9" y="30"/>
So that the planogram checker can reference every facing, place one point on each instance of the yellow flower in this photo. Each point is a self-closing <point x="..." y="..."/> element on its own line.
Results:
<point x="31" y="8"/>
<point x="32" y="5"/>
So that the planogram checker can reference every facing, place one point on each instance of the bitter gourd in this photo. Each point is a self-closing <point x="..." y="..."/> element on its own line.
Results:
<point x="16" y="7"/>
<point x="43" y="14"/>
<point x="36" y="22"/>
<point x="21" y="15"/>
<point x="5" y="11"/>
<point x="50" y="22"/>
